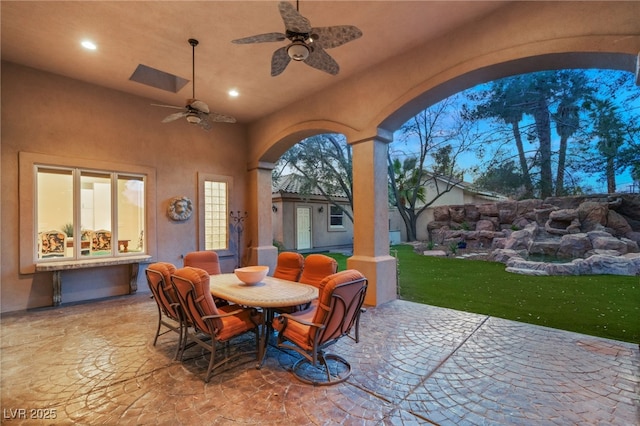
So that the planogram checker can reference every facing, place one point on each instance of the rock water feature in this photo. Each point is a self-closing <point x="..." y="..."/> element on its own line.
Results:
<point x="582" y="235"/>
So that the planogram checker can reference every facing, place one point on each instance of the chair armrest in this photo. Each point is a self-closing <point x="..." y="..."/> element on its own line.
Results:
<point x="228" y="314"/>
<point x="301" y="321"/>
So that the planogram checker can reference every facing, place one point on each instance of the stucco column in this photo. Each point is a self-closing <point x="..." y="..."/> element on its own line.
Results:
<point x="371" y="218"/>
<point x="260" y="235"/>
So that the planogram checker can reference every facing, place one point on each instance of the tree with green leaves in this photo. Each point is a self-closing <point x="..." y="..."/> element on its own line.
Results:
<point x="427" y="167"/>
<point x="536" y="95"/>
<point x="322" y="163"/>
<point x="503" y="178"/>
<point x="504" y="101"/>
<point x="610" y="134"/>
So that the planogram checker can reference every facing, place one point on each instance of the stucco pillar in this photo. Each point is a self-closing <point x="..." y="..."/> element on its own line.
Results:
<point x="260" y="235"/>
<point x="371" y="218"/>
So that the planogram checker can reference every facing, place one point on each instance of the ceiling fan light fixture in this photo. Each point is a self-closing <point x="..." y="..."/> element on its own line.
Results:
<point x="298" y="50"/>
<point x="193" y="119"/>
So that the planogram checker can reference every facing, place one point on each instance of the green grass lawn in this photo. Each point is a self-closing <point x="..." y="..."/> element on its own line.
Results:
<point x="598" y="305"/>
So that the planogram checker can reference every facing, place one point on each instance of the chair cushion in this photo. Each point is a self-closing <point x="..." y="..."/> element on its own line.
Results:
<point x="200" y="279"/>
<point x="289" y="266"/>
<point x="239" y="323"/>
<point x="166" y="269"/>
<point x="316" y="268"/>
<point x="295" y="331"/>
<point x="326" y="288"/>
<point x="207" y="260"/>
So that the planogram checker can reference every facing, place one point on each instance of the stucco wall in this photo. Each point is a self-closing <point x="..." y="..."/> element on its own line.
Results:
<point x="49" y="114"/>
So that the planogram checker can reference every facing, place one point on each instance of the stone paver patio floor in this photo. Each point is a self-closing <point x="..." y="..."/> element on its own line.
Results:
<point x="95" y="363"/>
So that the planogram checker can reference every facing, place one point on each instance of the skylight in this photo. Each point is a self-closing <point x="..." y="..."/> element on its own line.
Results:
<point x="158" y="79"/>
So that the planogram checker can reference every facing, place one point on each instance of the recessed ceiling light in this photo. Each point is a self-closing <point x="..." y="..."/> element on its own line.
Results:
<point x="87" y="44"/>
<point x="233" y="93"/>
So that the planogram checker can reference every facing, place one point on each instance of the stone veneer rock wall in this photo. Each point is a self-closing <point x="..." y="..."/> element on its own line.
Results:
<point x="598" y="233"/>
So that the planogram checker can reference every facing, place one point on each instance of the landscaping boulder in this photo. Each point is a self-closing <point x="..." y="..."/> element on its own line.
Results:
<point x="574" y="246"/>
<point x="609" y="243"/>
<point x="634" y="236"/>
<point x="542" y="215"/>
<point x="485" y="225"/>
<point x="456" y="213"/>
<point x="488" y="210"/>
<point x="441" y="214"/>
<point x="592" y="214"/>
<point x="503" y="255"/>
<point x="507" y="211"/>
<point x="613" y="265"/>
<point x="617" y="224"/>
<point x="525" y="208"/>
<point x="543" y="247"/>
<point x="632" y="246"/>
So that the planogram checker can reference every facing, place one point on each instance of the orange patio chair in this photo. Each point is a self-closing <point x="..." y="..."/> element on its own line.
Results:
<point x="310" y="332"/>
<point x="316" y="268"/>
<point x="207" y="260"/>
<point x="212" y="326"/>
<point x="289" y="266"/>
<point x="169" y="315"/>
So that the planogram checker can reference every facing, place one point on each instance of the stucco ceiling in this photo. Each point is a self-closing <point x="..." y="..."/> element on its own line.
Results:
<point x="46" y="35"/>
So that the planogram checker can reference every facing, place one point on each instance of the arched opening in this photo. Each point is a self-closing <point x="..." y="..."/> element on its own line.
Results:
<point x="369" y="142"/>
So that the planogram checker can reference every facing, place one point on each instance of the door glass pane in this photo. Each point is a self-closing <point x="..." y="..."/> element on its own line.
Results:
<point x="54" y="188"/>
<point x="95" y="214"/>
<point x="130" y="214"/>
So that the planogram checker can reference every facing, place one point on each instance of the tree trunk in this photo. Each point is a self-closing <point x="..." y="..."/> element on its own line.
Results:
<point x="543" y="130"/>
<point x="523" y="159"/>
<point x="562" y="154"/>
<point x="611" y="175"/>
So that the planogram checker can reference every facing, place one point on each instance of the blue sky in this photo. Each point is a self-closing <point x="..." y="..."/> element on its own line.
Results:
<point x="595" y="183"/>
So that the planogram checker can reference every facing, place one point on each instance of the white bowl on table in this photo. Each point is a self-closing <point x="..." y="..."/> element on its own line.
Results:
<point x="251" y="275"/>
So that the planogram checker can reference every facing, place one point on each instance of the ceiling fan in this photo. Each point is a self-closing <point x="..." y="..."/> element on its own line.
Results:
<point x="307" y="44"/>
<point x="196" y="111"/>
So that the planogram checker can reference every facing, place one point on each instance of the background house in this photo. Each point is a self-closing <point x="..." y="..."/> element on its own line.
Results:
<point x="308" y="222"/>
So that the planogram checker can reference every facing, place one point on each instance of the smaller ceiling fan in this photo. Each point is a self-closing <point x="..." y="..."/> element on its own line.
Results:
<point x="307" y="44"/>
<point x="196" y="111"/>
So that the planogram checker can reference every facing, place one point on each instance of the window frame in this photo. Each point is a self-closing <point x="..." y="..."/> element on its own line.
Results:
<point x="340" y="227"/>
<point x="27" y="183"/>
<point x="210" y="177"/>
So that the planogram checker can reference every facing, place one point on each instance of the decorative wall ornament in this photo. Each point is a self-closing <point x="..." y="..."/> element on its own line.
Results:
<point x="180" y="208"/>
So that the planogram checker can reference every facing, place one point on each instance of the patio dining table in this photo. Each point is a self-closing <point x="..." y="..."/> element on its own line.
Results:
<point x="269" y="294"/>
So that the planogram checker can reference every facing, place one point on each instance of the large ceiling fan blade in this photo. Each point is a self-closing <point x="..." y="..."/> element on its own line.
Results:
<point x="293" y="21"/>
<point x="329" y="37"/>
<point x="167" y="106"/>
<point x="175" y="116"/>
<point x="205" y="124"/>
<point x="321" y="60"/>
<point x="221" y="118"/>
<point x="279" y="61"/>
<point x="260" y="38"/>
